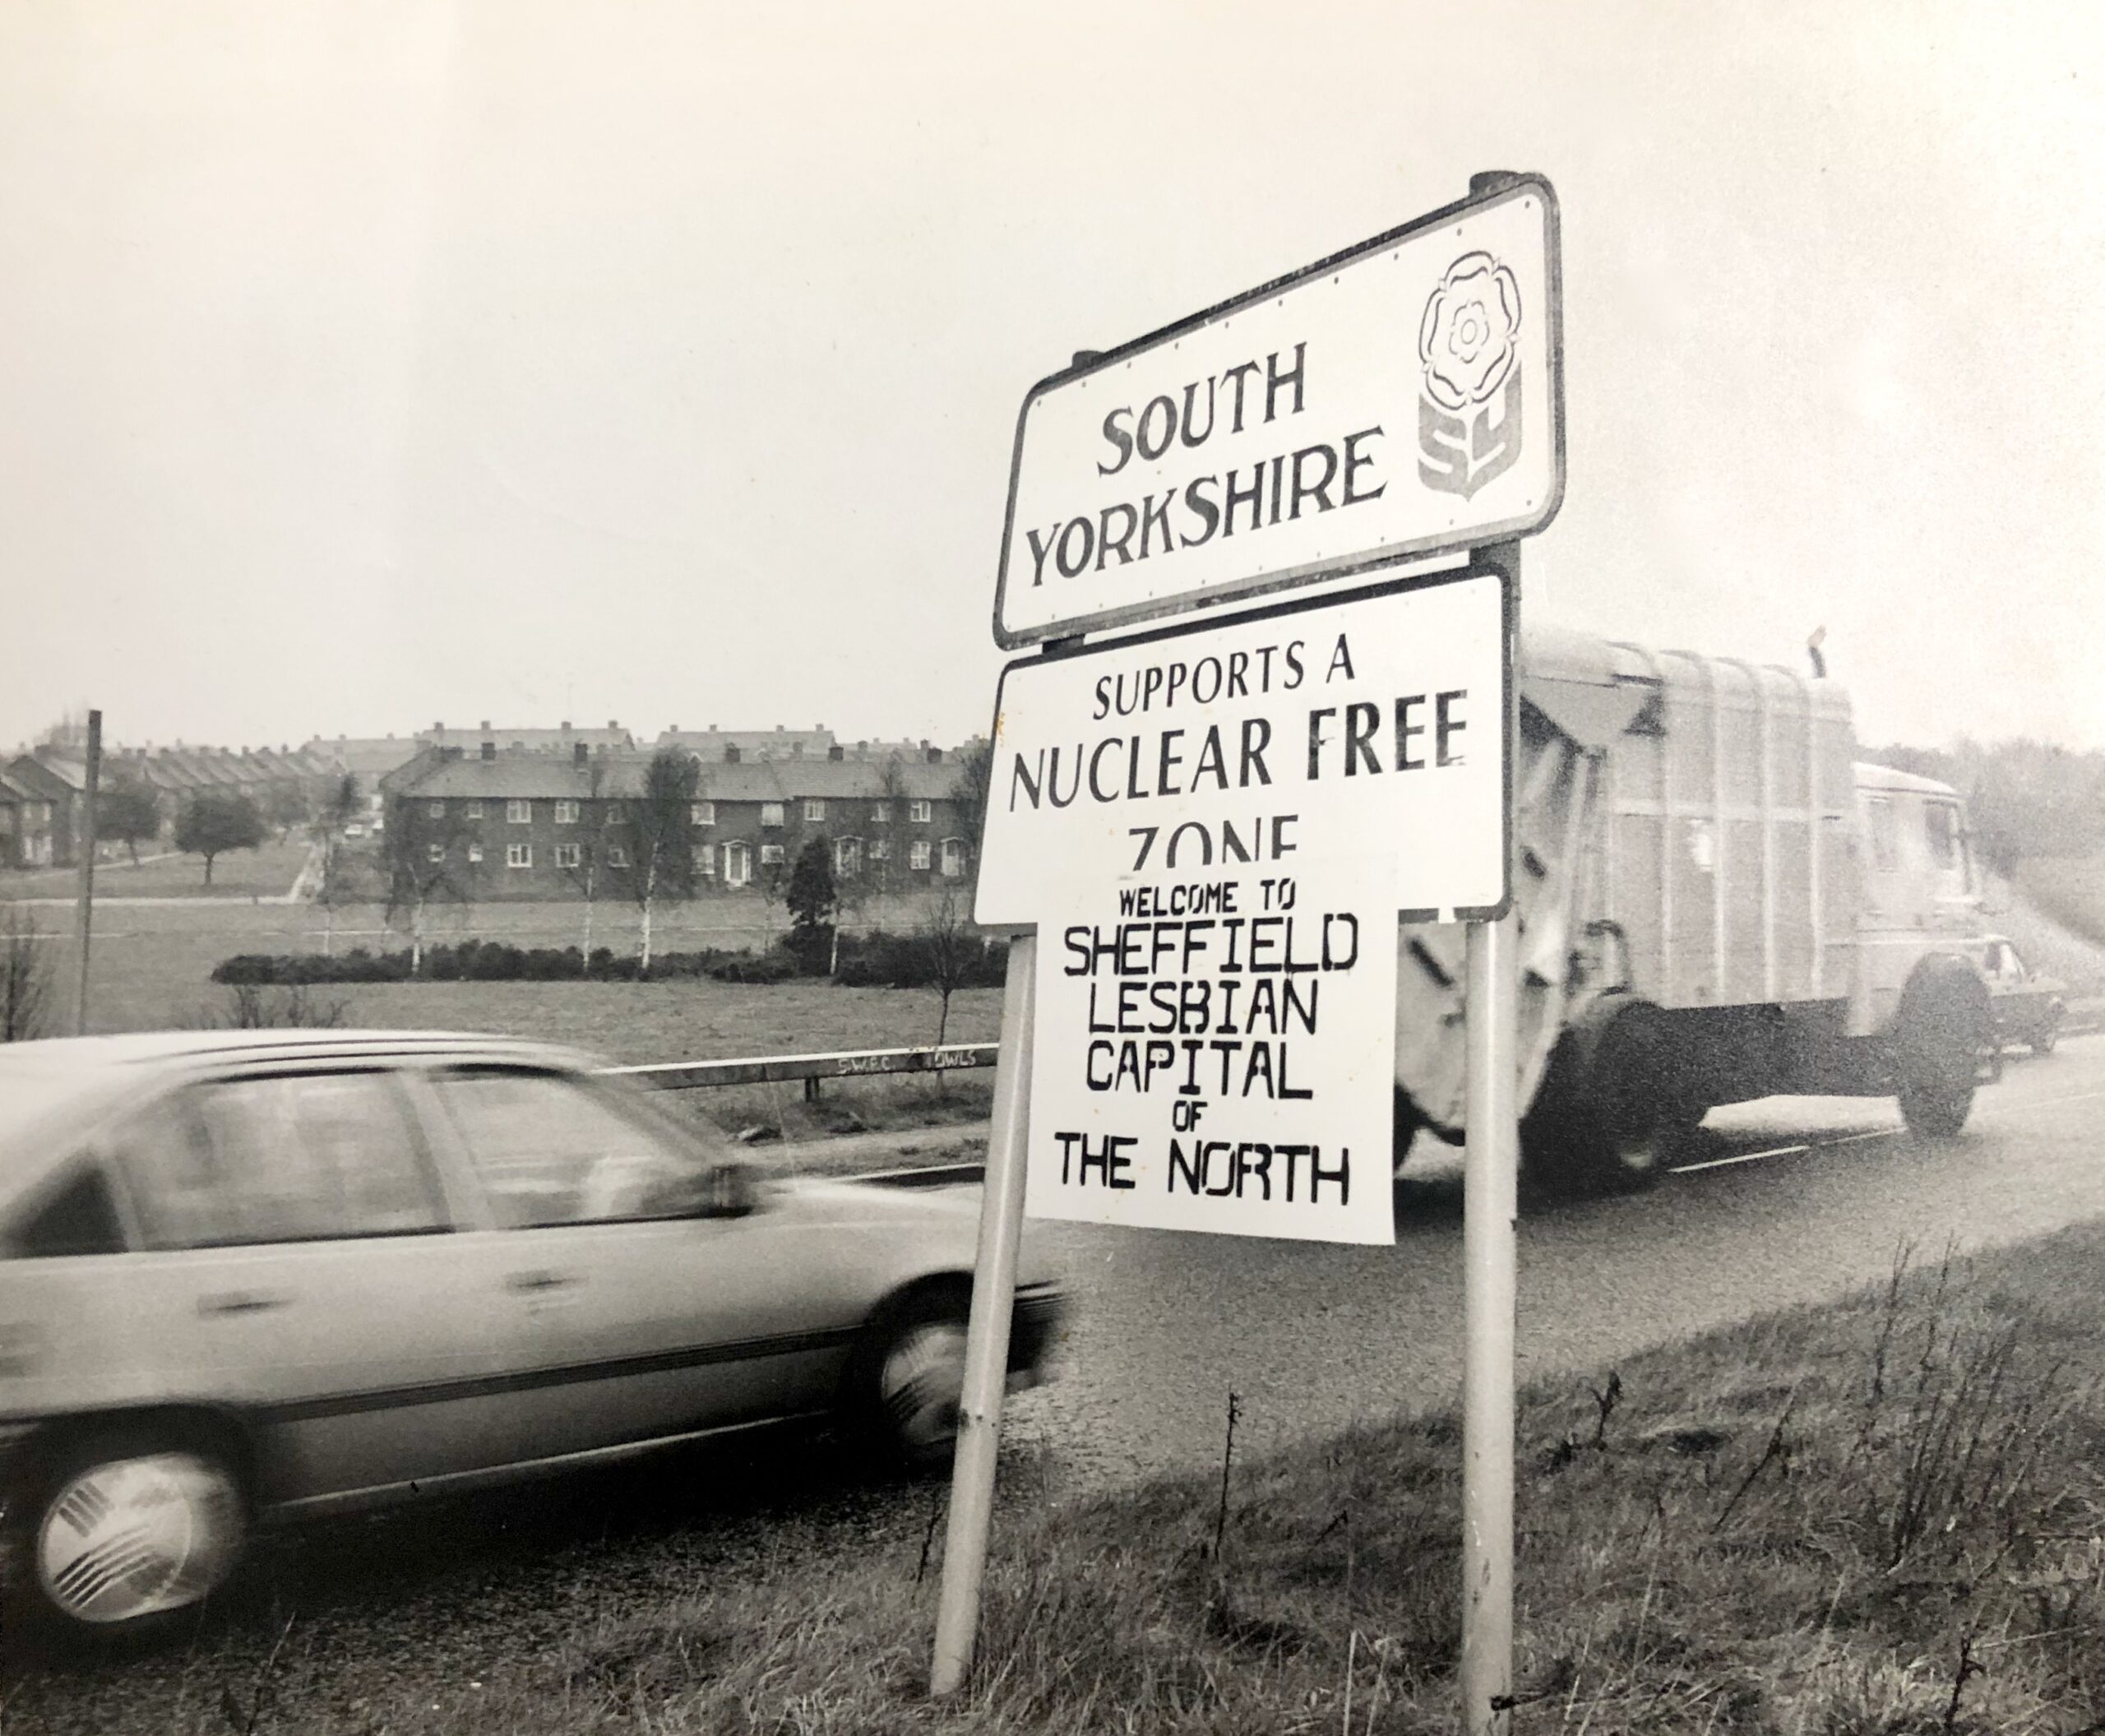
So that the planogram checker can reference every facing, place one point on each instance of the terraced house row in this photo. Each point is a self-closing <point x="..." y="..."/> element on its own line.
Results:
<point x="528" y="823"/>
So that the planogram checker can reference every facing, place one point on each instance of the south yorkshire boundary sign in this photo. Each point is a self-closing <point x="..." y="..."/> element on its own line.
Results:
<point x="1401" y="399"/>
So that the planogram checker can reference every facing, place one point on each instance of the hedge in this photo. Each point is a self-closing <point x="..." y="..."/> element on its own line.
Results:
<point x="877" y="960"/>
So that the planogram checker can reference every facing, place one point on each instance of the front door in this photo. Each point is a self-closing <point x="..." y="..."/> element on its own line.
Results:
<point x="737" y="864"/>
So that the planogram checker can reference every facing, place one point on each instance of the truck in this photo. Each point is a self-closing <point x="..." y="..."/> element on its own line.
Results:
<point x="1716" y="902"/>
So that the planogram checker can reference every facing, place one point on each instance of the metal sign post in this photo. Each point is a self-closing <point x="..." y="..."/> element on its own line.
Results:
<point x="1490" y="1284"/>
<point x="986" y="1342"/>
<point x="1489" y="1199"/>
<point x="84" y="902"/>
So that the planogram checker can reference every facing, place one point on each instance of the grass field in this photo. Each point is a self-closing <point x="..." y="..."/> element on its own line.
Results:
<point x="266" y="872"/>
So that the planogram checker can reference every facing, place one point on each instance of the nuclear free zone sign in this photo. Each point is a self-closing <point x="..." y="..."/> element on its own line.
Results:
<point x="1401" y="399"/>
<point x="1213" y="1052"/>
<point x="1372" y="725"/>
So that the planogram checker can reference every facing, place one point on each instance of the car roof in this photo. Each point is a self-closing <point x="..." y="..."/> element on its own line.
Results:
<point x="55" y="1085"/>
<point x="92" y="1054"/>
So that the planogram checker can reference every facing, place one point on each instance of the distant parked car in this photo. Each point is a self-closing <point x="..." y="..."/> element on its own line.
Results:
<point x="247" y="1276"/>
<point x="354" y="830"/>
<point x="2028" y="1005"/>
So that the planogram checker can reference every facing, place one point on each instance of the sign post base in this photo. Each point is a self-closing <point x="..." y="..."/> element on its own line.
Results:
<point x="987" y="1334"/>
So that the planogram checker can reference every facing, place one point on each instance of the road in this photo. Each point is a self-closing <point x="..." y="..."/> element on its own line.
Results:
<point x="1314" y="1337"/>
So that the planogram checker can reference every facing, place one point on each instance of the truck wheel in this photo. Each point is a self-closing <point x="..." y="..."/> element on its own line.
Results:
<point x="1617" y="1125"/>
<point x="1934" y="1062"/>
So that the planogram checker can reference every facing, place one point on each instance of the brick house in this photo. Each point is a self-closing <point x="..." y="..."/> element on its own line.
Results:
<point x="47" y="811"/>
<point x="530" y="824"/>
<point x="27" y="818"/>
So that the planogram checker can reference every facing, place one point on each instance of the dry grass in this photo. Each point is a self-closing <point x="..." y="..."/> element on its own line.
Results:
<point x="1882" y="1517"/>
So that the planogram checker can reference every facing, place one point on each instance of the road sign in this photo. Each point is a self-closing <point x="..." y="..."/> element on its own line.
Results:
<point x="1401" y="399"/>
<point x="1215" y="1051"/>
<point x="1374" y="724"/>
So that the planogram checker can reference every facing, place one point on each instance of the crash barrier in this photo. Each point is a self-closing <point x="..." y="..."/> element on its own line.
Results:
<point x="688" y="1076"/>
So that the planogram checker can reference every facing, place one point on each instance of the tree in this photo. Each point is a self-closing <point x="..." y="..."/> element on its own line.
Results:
<point x="211" y="822"/>
<point x="975" y="771"/>
<point x="586" y="872"/>
<point x="427" y="859"/>
<point x="285" y="806"/>
<point x="655" y="823"/>
<point x="340" y="805"/>
<point x="126" y="811"/>
<point x="885" y="834"/>
<point x="26" y="976"/>
<point x="813" y="902"/>
<point x="947" y="933"/>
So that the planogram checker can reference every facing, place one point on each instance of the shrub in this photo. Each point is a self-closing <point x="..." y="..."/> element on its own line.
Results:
<point x="879" y="960"/>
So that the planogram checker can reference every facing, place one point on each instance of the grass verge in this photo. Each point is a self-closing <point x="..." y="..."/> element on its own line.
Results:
<point x="1882" y="1517"/>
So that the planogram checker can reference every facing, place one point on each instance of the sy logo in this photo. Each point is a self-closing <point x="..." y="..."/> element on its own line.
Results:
<point x="1469" y="412"/>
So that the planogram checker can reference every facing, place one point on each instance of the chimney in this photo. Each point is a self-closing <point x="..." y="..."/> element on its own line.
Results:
<point x="836" y="752"/>
<point x="489" y="750"/>
<point x="935" y="756"/>
<point x="579" y="752"/>
<point x="612" y="725"/>
<point x="672" y="728"/>
<point x="486" y="726"/>
<point x="730" y="753"/>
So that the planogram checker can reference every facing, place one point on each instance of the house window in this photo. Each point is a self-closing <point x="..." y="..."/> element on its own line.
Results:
<point x="771" y="813"/>
<point x="771" y="855"/>
<point x="881" y="813"/>
<point x="565" y="813"/>
<point x="953" y="857"/>
<point x="701" y="813"/>
<point x="616" y="857"/>
<point x="474" y="853"/>
<point x="436" y="852"/>
<point x="737" y="864"/>
<point x="519" y="813"/>
<point x="437" y="810"/>
<point x="814" y="811"/>
<point x="880" y="849"/>
<point x="919" y="858"/>
<point x="569" y="855"/>
<point x="518" y="855"/>
<point x="474" y="810"/>
<point x="918" y="812"/>
<point x="848" y="856"/>
<point x="704" y="862"/>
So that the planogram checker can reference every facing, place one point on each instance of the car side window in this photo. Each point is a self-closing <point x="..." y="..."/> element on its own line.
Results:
<point x="292" y="1157"/>
<point x="80" y="1218"/>
<point x="550" y="1151"/>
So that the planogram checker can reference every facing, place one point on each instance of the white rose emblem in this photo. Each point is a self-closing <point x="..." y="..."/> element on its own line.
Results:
<point x="1466" y="339"/>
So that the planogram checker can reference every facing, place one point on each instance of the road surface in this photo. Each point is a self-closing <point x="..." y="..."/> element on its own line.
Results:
<point x="1314" y="1337"/>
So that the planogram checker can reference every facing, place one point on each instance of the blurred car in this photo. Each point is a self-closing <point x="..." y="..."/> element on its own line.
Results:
<point x="252" y="1275"/>
<point x="2028" y="1005"/>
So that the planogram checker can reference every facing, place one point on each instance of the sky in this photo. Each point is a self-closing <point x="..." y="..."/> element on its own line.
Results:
<point x="366" y="364"/>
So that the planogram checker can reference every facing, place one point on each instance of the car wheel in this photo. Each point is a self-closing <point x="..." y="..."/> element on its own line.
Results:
<point x="2043" y="1043"/>
<point x="123" y="1533"/>
<point x="909" y="1379"/>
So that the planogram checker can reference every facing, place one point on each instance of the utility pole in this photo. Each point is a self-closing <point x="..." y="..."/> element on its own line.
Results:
<point x="84" y="904"/>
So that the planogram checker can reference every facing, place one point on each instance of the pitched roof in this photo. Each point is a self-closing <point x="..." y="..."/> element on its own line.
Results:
<point x="562" y="740"/>
<point x="777" y="744"/>
<point x="366" y="756"/>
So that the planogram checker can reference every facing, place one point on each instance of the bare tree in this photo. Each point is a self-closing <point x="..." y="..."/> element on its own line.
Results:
<point x="340" y="805"/>
<point x="426" y="861"/>
<point x="975" y="771"/>
<point x="588" y="873"/>
<point x="884" y="833"/>
<point x="947" y="932"/>
<point x="26" y="976"/>
<point x="660" y="861"/>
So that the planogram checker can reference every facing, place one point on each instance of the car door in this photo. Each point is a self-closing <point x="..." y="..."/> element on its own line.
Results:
<point x="296" y="1264"/>
<point x="631" y="1314"/>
